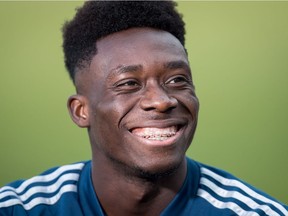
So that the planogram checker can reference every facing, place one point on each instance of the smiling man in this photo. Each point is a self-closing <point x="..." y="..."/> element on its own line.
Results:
<point x="136" y="97"/>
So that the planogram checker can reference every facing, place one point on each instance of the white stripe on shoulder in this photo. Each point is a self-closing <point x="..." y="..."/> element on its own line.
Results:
<point x="40" y="200"/>
<point x="44" y="178"/>
<point x="41" y="189"/>
<point x="222" y="205"/>
<point x="235" y="194"/>
<point x="236" y="183"/>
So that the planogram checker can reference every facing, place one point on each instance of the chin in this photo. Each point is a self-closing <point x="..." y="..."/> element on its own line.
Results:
<point x="156" y="169"/>
<point x="156" y="174"/>
<point x="150" y="165"/>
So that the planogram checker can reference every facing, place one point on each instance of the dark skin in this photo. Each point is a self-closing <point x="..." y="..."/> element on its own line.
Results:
<point x="138" y="102"/>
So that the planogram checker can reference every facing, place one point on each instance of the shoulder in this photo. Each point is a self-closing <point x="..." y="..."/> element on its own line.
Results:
<point x="225" y="191"/>
<point x="45" y="189"/>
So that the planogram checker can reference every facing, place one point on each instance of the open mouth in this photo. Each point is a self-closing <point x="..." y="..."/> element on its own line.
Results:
<point x="153" y="133"/>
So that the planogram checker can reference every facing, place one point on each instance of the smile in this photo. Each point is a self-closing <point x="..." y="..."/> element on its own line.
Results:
<point x="152" y="133"/>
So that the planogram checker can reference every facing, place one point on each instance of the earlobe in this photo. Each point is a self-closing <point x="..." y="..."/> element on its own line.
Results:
<point x="78" y="110"/>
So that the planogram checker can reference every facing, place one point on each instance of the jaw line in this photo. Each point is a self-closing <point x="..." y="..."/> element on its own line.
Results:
<point x="138" y="172"/>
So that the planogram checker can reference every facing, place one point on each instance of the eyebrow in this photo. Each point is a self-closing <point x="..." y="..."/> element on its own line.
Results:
<point x="125" y="69"/>
<point x="173" y="65"/>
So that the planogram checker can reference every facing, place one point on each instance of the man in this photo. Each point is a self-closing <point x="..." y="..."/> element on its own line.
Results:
<point x="136" y="97"/>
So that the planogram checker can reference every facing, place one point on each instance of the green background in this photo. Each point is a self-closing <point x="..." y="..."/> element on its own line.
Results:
<point x="239" y="57"/>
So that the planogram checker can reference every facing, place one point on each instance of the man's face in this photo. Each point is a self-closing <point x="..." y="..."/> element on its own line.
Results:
<point x="141" y="100"/>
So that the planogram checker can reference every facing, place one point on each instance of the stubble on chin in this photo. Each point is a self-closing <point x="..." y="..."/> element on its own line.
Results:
<point x="133" y="171"/>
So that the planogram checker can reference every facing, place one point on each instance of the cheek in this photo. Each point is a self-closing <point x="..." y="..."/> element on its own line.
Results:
<point x="106" y="117"/>
<point x="190" y="103"/>
<point x="110" y="112"/>
<point x="107" y="129"/>
<point x="104" y="129"/>
<point x="194" y="106"/>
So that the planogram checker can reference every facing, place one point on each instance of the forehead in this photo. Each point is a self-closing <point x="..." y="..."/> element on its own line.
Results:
<point x="137" y="38"/>
<point x="138" y="46"/>
<point x="144" y="47"/>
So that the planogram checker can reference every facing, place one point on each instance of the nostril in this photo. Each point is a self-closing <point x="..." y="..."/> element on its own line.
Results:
<point x="149" y="109"/>
<point x="160" y="104"/>
<point x="171" y="108"/>
<point x="156" y="98"/>
<point x="160" y="109"/>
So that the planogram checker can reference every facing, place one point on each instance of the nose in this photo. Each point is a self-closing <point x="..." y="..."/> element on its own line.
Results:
<point x="155" y="98"/>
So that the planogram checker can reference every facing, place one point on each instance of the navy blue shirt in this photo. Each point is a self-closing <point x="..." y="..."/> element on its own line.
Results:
<point x="68" y="190"/>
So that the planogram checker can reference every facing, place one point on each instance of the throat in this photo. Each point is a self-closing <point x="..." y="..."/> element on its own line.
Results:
<point x="147" y="194"/>
<point x="138" y="198"/>
<point x="123" y="190"/>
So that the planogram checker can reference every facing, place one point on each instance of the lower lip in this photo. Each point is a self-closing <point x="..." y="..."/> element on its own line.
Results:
<point x="167" y="142"/>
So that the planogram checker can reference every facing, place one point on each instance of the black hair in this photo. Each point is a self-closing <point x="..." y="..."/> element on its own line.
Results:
<point x="97" y="19"/>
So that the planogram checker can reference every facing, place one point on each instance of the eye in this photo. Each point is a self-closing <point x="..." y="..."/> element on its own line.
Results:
<point x="127" y="85"/>
<point x="178" y="80"/>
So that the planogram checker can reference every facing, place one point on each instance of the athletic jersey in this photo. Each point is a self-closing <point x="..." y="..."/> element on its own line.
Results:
<point x="68" y="190"/>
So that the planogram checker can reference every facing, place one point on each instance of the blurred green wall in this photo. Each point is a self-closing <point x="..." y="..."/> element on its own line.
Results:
<point x="239" y="56"/>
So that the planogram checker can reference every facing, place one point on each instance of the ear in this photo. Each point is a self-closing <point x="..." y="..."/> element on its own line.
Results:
<point x="79" y="110"/>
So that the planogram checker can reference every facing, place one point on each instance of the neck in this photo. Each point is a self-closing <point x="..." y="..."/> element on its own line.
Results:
<point x="122" y="193"/>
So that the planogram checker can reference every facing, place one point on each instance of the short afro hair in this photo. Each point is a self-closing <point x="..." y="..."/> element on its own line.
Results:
<point x="97" y="19"/>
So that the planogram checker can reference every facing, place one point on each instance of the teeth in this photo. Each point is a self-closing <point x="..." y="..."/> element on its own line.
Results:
<point x="155" y="133"/>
